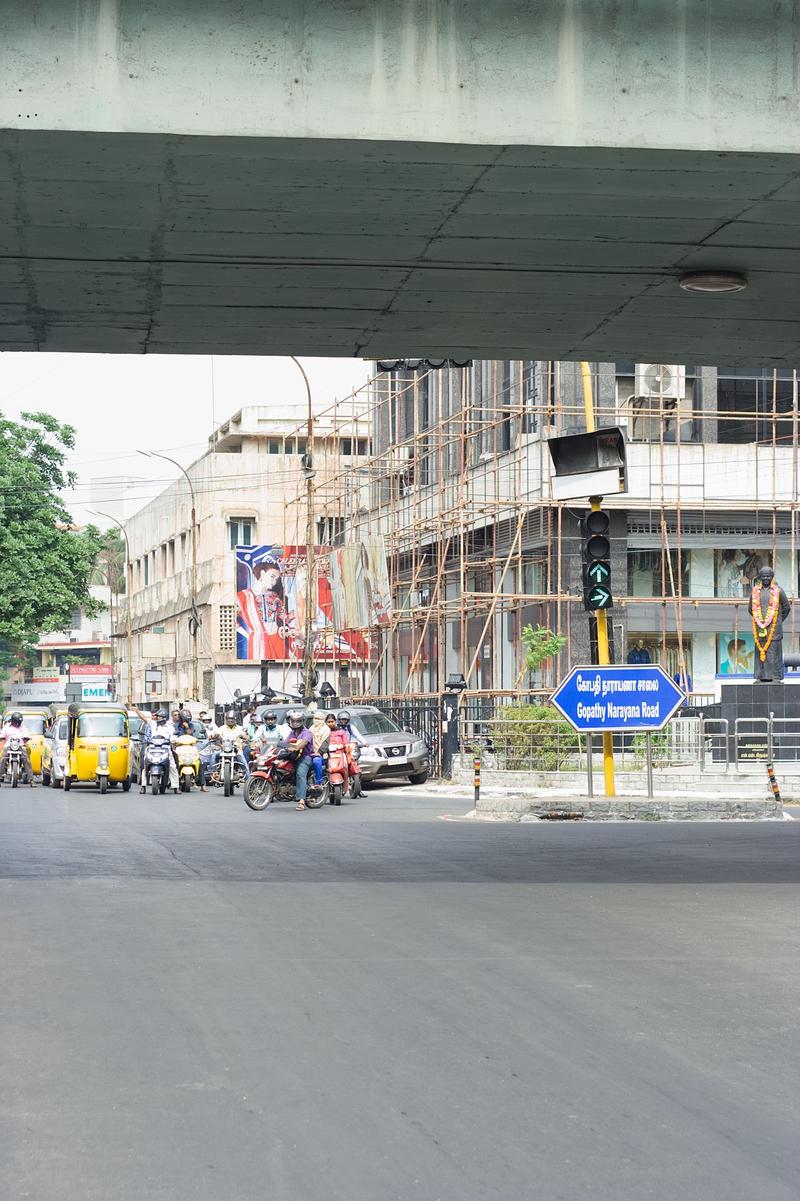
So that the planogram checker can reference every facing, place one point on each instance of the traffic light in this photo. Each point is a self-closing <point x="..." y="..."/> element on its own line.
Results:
<point x="596" y="551"/>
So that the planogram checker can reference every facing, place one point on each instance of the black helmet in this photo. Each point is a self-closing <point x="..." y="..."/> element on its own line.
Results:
<point x="186" y="716"/>
<point x="344" y="718"/>
<point x="16" y="719"/>
<point x="296" y="719"/>
<point x="270" y="716"/>
<point x="161" y="715"/>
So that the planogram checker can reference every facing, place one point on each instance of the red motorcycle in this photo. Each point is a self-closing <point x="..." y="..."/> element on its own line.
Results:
<point x="273" y="779"/>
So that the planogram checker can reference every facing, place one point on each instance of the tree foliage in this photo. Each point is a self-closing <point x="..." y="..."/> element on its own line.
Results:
<point x="110" y="567"/>
<point x="45" y="564"/>
<point x="541" y="644"/>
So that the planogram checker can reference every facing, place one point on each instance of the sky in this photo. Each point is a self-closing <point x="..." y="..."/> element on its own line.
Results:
<point x="171" y="403"/>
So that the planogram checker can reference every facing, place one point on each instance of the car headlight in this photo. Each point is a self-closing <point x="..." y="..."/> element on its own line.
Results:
<point x="419" y="747"/>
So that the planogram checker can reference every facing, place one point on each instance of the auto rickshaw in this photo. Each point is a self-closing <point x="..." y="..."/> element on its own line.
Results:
<point x="36" y="722"/>
<point x="98" y="747"/>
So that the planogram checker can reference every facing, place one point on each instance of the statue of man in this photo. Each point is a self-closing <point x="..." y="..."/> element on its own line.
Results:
<point x="769" y="608"/>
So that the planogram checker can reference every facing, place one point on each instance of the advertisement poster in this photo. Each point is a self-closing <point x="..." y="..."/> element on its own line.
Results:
<point x="360" y="585"/>
<point x="271" y="607"/>
<point x="735" y="654"/>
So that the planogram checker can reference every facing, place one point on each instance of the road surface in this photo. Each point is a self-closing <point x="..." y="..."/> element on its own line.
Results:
<point x="200" y="1002"/>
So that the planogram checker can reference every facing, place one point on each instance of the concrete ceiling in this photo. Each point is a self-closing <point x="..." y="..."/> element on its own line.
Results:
<point x="188" y="244"/>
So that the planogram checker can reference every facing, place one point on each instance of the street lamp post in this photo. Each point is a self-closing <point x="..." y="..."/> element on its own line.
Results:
<point x="194" y="620"/>
<point x="129" y="589"/>
<point x="311" y="600"/>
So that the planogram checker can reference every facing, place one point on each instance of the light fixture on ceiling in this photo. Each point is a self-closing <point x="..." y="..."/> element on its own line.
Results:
<point x="713" y="281"/>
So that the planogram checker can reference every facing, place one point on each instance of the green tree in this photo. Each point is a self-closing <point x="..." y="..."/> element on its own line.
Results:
<point x="541" y="644"/>
<point x="45" y="563"/>
<point x="110" y="567"/>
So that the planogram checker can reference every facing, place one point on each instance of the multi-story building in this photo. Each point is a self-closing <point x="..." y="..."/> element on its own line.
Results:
<point x="459" y="483"/>
<point x="247" y="490"/>
<point x="88" y="640"/>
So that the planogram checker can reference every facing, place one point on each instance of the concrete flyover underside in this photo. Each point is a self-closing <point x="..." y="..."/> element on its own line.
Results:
<point x="166" y="243"/>
<point x="365" y="177"/>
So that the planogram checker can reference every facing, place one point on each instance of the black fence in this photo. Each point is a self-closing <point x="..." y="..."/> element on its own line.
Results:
<point x="420" y="715"/>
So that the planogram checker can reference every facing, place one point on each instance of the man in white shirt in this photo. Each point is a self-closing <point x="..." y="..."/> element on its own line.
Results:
<point x="15" y="728"/>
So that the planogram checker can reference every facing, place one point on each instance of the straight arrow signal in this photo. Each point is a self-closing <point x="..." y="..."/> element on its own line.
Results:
<point x="599" y="572"/>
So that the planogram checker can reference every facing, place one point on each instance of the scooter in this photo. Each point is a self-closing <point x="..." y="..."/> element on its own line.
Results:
<point x="273" y="779"/>
<point x="188" y="761"/>
<point x="339" y="774"/>
<point x="156" y="764"/>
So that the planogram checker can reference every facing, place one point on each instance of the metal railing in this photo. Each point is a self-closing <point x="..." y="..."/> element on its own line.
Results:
<point x="691" y="741"/>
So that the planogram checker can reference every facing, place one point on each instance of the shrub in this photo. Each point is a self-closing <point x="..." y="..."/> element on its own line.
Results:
<point x="531" y="738"/>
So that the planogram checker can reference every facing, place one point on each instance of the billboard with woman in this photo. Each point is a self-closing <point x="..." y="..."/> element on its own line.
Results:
<point x="271" y="607"/>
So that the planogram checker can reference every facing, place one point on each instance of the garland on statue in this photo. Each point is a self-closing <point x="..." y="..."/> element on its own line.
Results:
<point x="764" y="623"/>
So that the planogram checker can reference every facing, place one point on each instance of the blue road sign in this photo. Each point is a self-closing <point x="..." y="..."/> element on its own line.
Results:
<point x="618" y="697"/>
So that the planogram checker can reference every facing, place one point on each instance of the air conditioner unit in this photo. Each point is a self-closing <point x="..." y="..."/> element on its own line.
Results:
<point x="667" y="380"/>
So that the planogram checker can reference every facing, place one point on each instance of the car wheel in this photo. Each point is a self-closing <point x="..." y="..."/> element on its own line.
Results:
<point x="418" y="777"/>
<point x="45" y="778"/>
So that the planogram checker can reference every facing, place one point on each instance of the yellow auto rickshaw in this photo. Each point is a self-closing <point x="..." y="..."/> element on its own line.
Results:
<point x="35" y="722"/>
<point x="98" y="747"/>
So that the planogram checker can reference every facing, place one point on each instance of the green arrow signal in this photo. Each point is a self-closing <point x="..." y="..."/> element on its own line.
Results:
<point x="600" y="597"/>
<point x="599" y="573"/>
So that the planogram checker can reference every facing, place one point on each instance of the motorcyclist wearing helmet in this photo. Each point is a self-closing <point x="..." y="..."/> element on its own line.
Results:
<point x="300" y="743"/>
<point x="344" y="723"/>
<point x="186" y="726"/>
<point x="233" y="730"/>
<point x="158" y="725"/>
<point x="272" y="732"/>
<point x="15" y="728"/>
<point x="344" y="726"/>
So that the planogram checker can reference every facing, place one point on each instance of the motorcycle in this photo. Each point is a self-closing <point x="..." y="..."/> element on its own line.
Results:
<point x="156" y="764"/>
<point x="273" y="779"/>
<point x="14" y="752"/>
<point x="188" y="761"/>
<point x="228" y="771"/>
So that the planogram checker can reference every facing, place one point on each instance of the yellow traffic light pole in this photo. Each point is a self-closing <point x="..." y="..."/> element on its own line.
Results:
<point x="601" y="616"/>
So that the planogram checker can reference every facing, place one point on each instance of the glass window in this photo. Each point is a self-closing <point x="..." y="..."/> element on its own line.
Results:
<point x="735" y="570"/>
<point x="274" y="446"/>
<point x="102" y="725"/>
<point x="240" y="531"/>
<point x="647" y="576"/>
<point x="374" y="723"/>
<point x="62" y="729"/>
<point x="135" y="725"/>
<point x="34" y="723"/>
<point x="747" y="399"/>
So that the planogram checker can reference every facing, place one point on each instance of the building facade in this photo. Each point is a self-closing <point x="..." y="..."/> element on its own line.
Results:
<point x="459" y="484"/>
<point x="247" y="490"/>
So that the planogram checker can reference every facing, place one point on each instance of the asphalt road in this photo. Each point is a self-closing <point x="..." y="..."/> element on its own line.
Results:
<point x="200" y="1003"/>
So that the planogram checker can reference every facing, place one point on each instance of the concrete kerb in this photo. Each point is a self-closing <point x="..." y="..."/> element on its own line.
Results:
<point x="631" y="807"/>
